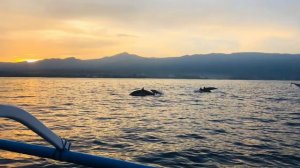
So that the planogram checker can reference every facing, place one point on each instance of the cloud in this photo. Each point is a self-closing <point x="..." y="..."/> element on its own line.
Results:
<point x="146" y="27"/>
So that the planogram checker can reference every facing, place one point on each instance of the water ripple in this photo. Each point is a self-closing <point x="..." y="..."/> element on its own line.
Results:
<point x="242" y="124"/>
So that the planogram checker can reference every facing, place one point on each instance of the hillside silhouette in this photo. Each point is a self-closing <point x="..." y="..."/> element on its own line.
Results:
<point x="269" y="66"/>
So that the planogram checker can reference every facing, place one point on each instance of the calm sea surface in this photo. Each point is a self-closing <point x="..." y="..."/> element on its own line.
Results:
<point x="243" y="123"/>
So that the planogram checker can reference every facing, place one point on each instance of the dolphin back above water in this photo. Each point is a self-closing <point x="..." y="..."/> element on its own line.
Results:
<point x="206" y="89"/>
<point x="143" y="92"/>
<point x="296" y="84"/>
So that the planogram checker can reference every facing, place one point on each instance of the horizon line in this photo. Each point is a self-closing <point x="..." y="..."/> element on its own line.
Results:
<point x="127" y="53"/>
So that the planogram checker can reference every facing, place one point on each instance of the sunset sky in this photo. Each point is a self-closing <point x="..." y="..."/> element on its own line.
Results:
<point x="38" y="29"/>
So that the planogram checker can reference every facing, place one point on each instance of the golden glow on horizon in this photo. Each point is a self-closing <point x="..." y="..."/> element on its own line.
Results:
<point x="31" y="60"/>
<point x="27" y="60"/>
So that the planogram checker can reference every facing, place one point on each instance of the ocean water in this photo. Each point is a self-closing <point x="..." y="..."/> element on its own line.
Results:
<point x="243" y="123"/>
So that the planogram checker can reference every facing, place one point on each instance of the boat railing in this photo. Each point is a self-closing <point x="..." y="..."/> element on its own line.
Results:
<point x="61" y="150"/>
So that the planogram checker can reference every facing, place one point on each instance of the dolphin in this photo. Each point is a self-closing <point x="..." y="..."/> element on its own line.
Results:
<point x="296" y="84"/>
<point x="143" y="92"/>
<point x="207" y="89"/>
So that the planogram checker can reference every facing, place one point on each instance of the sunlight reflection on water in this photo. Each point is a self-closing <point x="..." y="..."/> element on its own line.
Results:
<point x="252" y="123"/>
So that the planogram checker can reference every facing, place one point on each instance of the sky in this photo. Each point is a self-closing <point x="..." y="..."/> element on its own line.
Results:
<point x="86" y="29"/>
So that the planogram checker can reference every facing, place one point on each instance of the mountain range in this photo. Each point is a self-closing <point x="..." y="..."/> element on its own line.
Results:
<point x="248" y="65"/>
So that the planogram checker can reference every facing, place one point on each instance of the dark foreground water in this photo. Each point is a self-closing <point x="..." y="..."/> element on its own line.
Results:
<point x="243" y="123"/>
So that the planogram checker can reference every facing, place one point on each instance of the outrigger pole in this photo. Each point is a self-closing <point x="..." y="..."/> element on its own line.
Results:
<point x="61" y="150"/>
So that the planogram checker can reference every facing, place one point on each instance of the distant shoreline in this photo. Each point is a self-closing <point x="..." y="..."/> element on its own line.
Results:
<point x="236" y="66"/>
<point x="66" y="77"/>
